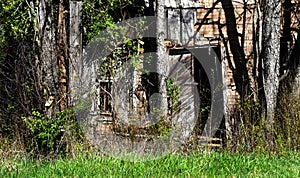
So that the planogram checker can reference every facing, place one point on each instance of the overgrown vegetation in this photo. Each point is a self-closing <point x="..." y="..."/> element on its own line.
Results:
<point x="45" y="137"/>
<point x="193" y="165"/>
<point x="54" y="136"/>
<point x="26" y="130"/>
<point x="250" y="131"/>
<point x="24" y="125"/>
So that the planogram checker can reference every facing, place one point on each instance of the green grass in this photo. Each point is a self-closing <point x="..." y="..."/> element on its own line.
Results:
<point x="196" y="165"/>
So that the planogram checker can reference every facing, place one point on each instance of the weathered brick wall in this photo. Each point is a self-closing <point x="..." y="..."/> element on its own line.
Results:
<point x="216" y="24"/>
<point x="246" y="18"/>
<point x="211" y="29"/>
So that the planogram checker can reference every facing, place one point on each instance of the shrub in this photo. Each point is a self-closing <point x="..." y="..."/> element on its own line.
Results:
<point x="51" y="136"/>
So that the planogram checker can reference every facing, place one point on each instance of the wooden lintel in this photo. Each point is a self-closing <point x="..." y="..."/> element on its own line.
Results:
<point x="178" y="51"/>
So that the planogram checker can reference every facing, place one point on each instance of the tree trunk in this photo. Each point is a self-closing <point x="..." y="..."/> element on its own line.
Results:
<point x="52" y="61"/>
<point x="240" y="73"/>
<point x="270" y="56"/>
<point x="161" y="58"/>
<point x="286" y="36"/>
<point x="75" y="51"/>
<point x="295" y="66"/>
<point x="46" y="60"/>
<point x="62" y="57"/>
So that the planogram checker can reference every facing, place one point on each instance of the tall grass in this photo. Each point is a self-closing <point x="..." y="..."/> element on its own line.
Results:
<point x="250" y="127"/>
<point x="193" y="165"/>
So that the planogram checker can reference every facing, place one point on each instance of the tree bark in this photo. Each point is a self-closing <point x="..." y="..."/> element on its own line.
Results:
<point x="62" y="57"/>
<point x="270" y="56"/>
<point x="161" y="57"/>
<point x="295" y="66"/>
<point x="45" y="60"/>
<point x="75" y="51"/>
<point x="286" y="36"/>
<point x="52" y="61"/>
<point x="240" y="73"/>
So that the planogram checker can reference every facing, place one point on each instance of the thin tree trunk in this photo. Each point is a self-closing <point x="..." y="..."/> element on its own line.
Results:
<point x="286" y="35"/>
<point x="287" y="5"/>
<point x="161" y="61"/>
<point x="46" y="58"/>
<point x="240" y="73"/>
<point x="295" y="66"/>
<point x="62" y="57"/>
<point x="75" y="50"/>
<point x="270" y="55"/>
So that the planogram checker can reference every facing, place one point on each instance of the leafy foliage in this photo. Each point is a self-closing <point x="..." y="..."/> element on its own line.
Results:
<point x="173" y="94"/>
<point x="16" y="42"/>
<point x="99" y="14"/>
<point x="17" y="21"/>
<point x="48" y="135"/>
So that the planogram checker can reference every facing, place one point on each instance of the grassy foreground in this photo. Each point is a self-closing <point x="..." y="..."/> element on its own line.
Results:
<point x="196" y="165"/>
